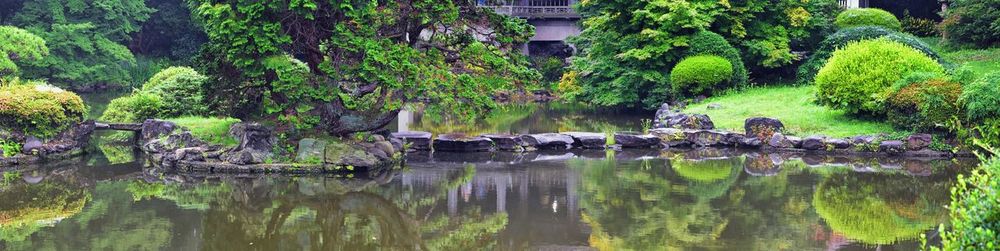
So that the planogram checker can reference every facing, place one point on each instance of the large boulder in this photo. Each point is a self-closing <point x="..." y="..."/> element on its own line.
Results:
<point x="170" y="143"/>
<point x="462" y="143"/>
<point x="918" y="141"/>
<point x="667" y="118"/>
<point x="779" y="140"/>
<point x="636" y="140"/>
<point x="703" y="138"/>
<point x="588" y="140"/>
<point x="154" y="129"/>
<point x="256" y="142"/>
<point x="814" y="143"/>
<point x="762" y="128"/>
<point x="310" y="150"/>
<point x="506" y="142"/>
<point x="349" y="155"/>
<point x="548" y="141"/>
<point x="418" y="141"/>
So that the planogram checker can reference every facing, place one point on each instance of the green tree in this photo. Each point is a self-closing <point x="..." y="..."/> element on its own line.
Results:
<point x="17" y="44"/>
<point x="347" y="66"/>
<point x="85" y="39"/>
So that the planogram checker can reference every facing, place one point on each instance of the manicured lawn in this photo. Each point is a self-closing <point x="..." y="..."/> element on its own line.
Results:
<point x="793" y="105"/>
<point x="213" y="130"/>
<point x="980" y="61"/>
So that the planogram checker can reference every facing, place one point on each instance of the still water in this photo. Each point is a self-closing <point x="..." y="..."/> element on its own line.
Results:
<point x="628" y="200"/>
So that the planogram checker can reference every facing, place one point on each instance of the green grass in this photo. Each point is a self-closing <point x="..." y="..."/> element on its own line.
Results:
<point x="979" y="61"/>
<point x="212" y="130"/>
<point x="793" y="105"/>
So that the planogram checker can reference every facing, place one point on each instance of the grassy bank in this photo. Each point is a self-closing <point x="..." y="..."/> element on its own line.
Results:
<point x="212" y="130"/>
<point x="793" y="105"/>
<point x="979" y="61"/>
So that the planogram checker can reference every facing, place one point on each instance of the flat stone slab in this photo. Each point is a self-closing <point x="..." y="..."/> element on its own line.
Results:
<point x="636" y="140"/>
<point x="462" y="143"/>
<point x="420" y="141"/>
<point x="705" y="138"/>
<point x="548" y="141"/>
<point x="506" y="142"/>
<point x="588" y="140"/>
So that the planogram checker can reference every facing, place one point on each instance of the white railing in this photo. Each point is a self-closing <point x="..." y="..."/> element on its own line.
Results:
<point x="536" y="11"/>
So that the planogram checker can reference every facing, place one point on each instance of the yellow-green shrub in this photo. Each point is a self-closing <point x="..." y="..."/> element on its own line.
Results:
<point x="857" y="78"/>
<point x="701" y="74"/>
<point x="133" y="108"/>
<point x="180" y="90"/>
<point x="38" y="109"/>
<point x="982" y="97"/>
<point x="868" y="17"/>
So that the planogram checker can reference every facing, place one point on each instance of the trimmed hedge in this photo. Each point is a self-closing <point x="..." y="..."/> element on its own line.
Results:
<point x="982" y="97"/>
<point x="857" y="78"/>
<point x="807" y="71"/>
<point x="133" y="108"/>
<point x="180" y="89"/>
<point x="868" y="17"/>
<point x="701" y="74"/>
<point x="39" y="109"/>
<point x="710" y="43"/>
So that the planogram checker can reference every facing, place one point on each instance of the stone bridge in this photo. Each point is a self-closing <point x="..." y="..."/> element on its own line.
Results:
<point x="554" y="20"/>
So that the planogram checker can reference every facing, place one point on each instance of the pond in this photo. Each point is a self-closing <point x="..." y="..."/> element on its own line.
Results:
<point x="526" y="119"/>
<point x="639" y="200"/>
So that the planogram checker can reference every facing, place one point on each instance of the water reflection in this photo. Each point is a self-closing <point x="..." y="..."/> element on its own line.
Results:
<point x="525" y="119"/>
<point x="604" y="201"/>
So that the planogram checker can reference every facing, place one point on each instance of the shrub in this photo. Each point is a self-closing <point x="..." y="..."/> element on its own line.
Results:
<point x="18" y="45"/>
<point x="982" y="97"/>
<point x="857" y="78"/>
<point x="180" y="90"/>
<point x="919" y="26"/>
<point x="807" y="71"/>
<point x="972" y="22"/>
<point x="701" y="74"/>
<point x="133" y="108"/>
<point x="38" y="109"/>
<point x="710" y="43"/>
<point x="975" y="211"/>
<point x="568" y="88"/>
<point x="923" y="101"/>
<point x="867" y="17"/>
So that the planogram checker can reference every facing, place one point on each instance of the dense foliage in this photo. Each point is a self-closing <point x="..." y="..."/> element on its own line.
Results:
<point x="923" y="101"/>
<point x="180" y="89"/>
<point x="975" y="22"/>
<point x="344" y="67"/>
<point x="701" y="75"/>
<point x="982" y="97"/>
<point x="625" y="46"/>
<point x="919" y="26"/>
<point x="807" y="71"/>
<point x="170" y="32"/>
<point x="857" y="78"/>
<point x="133" y="108"/>
<point x="85" y="39"/>
<point x="868" y="17"/>
<point x="975" y="210"/>
<point x="710" y="43"/>
<point x="20" y="46"/>
<point x="38" y="109"/>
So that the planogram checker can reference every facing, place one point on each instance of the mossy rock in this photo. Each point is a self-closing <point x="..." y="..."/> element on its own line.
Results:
<point x="339" y="153"/>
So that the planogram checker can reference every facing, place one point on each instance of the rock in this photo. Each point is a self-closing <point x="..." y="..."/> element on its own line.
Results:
<point x="714" y="106"/>
<point x="636" y="140"/>
<point x="779" y="140"/>
<point x="256" y="142"/>
<point x="813" y="143"/>
<point x="838" y="143"/>
<point x="154" y="129"/>
<point x="506" y="142"/>
<point x="796" y="141"/>
<point x="462" y="143"/>
<point x="762" y="128"/>
<point x="863" y="139"/>
<point x="670" y="137"/>
<point x="310" y="150"/>
<point x="918" y="141"/>
<point x="190" y="154"/>
<point x="892" y="147"/>
<point x="688" y="121"/>
<point x="172" y="142"/>
<point x="396" y="144"/>
<point x="32" y="146"/>
<point x="418" y="141"/>
<point x="548" y="141"/>
<point x="703" y="138"/>
<point x="386" y="147"/>
<point x="588" y="140"/>
<point x="749" y="142"/>
<point x="342" y="154"/>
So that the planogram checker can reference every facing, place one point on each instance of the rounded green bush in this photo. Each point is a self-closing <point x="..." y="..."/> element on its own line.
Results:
<point x="710" y="43"/>
<point x="180" y="90"/>
<point x="867" y="17"/>
<point x="700" y="74"/>
<point x="807" y="71"/>
<point x="133" y="108"/>
<point x="38" y="109"/>
<point x="858" y="77"/>
<point x="982" y="97"/>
